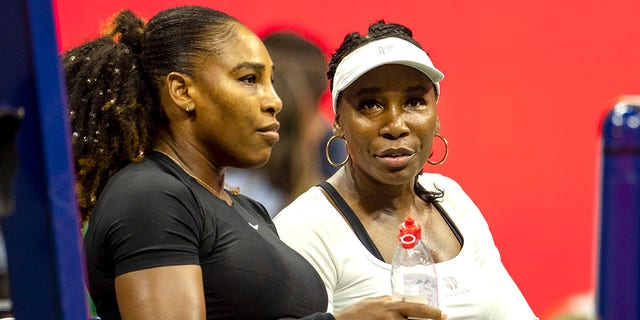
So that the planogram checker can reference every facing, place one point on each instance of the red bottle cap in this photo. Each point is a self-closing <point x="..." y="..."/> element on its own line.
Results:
<point x="410" y="233"/>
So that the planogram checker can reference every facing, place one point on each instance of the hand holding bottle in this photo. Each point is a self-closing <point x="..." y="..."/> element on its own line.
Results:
<point x="383" y="308"/>
<point x="413" y="283"/>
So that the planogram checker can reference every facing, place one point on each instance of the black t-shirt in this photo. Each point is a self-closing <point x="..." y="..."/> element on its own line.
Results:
<point x="153" y="214"/>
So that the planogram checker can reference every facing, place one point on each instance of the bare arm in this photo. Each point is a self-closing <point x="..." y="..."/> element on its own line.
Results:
<point x="170" y="292"/>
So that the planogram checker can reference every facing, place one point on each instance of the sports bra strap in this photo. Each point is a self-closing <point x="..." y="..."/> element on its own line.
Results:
<point x="352" y="219"/>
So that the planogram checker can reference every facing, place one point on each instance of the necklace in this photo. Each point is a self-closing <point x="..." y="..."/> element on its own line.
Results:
<point x="220" y="194"/>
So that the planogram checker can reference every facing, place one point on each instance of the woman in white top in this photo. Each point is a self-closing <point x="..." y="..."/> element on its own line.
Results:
<point x="385" y="90"/>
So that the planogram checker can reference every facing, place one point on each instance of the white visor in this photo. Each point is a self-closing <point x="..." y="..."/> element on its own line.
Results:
<point x="380" y="52"/>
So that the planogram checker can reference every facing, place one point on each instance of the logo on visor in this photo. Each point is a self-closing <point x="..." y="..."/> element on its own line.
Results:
<point x="385" y="49"/>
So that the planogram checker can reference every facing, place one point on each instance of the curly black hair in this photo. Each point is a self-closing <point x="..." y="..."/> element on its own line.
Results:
<point x="113" y="87"/>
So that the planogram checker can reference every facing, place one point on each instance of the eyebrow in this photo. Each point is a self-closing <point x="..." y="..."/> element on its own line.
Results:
<point x="249" y="65"/>
<point x="373" y="90"/>
<point x="419" y="88"/>
<point x="368" y="90"/>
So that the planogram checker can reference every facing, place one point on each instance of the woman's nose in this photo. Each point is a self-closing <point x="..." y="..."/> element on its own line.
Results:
<point x="394" y="125"/>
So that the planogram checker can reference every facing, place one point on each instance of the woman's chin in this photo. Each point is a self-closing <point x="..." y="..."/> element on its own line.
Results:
<point x="256" y="161"/>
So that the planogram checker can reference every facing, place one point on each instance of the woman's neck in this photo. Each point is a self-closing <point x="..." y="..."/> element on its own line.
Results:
<point x="195" y="164"/>
<point x="373" y="196"/>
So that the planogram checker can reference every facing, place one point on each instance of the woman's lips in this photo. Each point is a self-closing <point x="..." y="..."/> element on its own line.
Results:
<point x="395" y="161"/>
<point x="395" y="158"/>
<point x="270" y="135"/>
<point x="270" y="132"/>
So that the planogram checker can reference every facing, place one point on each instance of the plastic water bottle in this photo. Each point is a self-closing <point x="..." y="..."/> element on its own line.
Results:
<point x="413" y="272"/>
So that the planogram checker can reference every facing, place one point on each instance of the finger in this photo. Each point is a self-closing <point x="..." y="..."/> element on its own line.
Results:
<point x="418" y="310"/>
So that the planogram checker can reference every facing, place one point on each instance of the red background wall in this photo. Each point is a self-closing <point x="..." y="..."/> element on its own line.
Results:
<point x="526" y="86"/>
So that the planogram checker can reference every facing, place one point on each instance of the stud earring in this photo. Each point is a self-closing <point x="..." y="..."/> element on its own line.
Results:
<point x="190" y="107"/>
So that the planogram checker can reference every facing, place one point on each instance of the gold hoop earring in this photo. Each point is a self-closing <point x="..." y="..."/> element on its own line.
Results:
<point x="326" y="153"/>
<point x="446" y="152"/>
<point x="190" y="107"/>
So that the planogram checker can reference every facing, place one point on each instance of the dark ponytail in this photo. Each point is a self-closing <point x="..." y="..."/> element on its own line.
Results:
<point x="112" y="118"/>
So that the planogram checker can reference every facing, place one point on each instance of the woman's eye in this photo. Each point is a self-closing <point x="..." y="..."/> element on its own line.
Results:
<point x="416" y="102"/>
<point x="368" y="105"/>
<point x="249" y="79"/>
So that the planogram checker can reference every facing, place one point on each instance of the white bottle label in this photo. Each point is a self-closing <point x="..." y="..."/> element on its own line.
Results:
<point x="414" y="284"/>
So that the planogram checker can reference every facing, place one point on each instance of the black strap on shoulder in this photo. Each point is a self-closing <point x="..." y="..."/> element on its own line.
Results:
<point x="351" y="218"/>
<point x="447" y="219"/>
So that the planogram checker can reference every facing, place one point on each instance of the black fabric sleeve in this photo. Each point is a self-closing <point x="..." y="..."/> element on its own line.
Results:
<point x="151" y="222"/>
